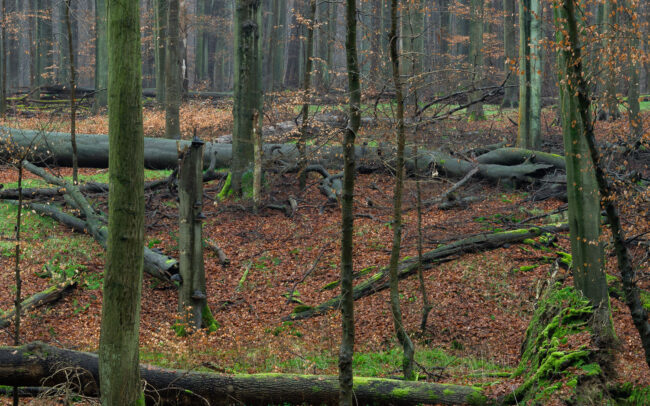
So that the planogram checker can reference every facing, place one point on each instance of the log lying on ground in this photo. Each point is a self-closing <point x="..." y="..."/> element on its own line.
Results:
<point x="408" y="266"/>
<point x="38" y="364"/>
<point x="155" y="264"/>
<point x="49" y="295"/>
<point x="54" y="148"/>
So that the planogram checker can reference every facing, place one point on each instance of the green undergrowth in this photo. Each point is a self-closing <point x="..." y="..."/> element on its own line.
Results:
<point x="615" y="287"/>
<point x="558" y="365"/>
<point x="99" y="177"/>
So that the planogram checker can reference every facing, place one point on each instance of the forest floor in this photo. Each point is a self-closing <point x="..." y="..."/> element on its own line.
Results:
<point x="482" y="302"/>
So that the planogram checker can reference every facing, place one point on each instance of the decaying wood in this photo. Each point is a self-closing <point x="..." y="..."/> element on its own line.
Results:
<point x="408" y="266"/>
<point x="38" y="364"/>
<point x="212" y="245"/>
<point x="49" y="295"/>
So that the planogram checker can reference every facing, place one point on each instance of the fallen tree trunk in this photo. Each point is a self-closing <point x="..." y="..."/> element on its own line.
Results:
<point x="38" y="364"/>
<point x="54" y="148"/>
<point x="49" y="295"/>
<point x="408" y="266"/>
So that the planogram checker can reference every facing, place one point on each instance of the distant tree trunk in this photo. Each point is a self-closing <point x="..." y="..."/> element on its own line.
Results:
<point x="160" y="45"/>
<point x="292" y="72"/>
<point x="402" y="335"/>
<point x="278" y="33"/>
<point x="347" y="208"/>
<point x="635" y="119"/>
<point x="3" y="61"/>
<point x="609" y="17"/>
<point x="248" y="86"/>
<point x="118" y="346"/>
<point x="43" y="57"/>
<point x="201" y="59"/>
<point x="509" y="38"/>
<point x="101" y="55"/>
<point x="306" y="87"/>
<point x="582" y="185"/>
<point x="73" y="86"/>
<point x="529" y="135"/>
<point x="18" y="279"/>
<point x="475" y="111"/>
<point x="173" y="72"/>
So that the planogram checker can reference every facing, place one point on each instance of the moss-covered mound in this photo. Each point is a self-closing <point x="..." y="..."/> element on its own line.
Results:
<point x="559" y="363"/>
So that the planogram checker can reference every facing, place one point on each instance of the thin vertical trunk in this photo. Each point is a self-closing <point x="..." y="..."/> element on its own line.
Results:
<point x="118" y="346"/>
<point x="160" y="44"/>
<point x="291" y="77"/>
<point x="306" y="88"/>
<point x="278" y="42"/>
<point x="426" y="305"/>
<point x="3" y="61"/>
<point x="323" y="44"/>
<point x="635" y="120"/>
<point x="475" y="111"/>
<point x="402" y="335"/>
<point x="173" y="72"/>
<point x="73" y="86"/>
<point x="201" y="49"/>
<point x="582" y="186"/>
<point x="509" y="37"/>
<point x="101" y="55"/>
<point x="347" y="206"/>
<point x="248" y="86"/>
<point x="608" y="23"/>
<point x="43" y="57"/>
<point x="257" y="156"/>
<point x="530" y="77"/>
<point x="18" y="279"/>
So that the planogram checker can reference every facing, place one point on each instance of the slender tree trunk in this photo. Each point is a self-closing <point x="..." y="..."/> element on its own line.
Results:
<point x="475" y="111"/>
<point x="160" y="44"/>
<point x="402" y="335"/>
<point x="530" y="75"/>
<point x="509" y="38"/>
<point x="426" y="305"/>
<point x="582" y="185"/>
<point x="73" y="107"/>
<point x="201" y="49"/>
<point x="3" y="60"/>
<point x="610" y="48"/>
<point x="18" y="279"/>
<point x="173" y="72"/>
<point x="278" y="31"/>
<point x="635" y="119"/>
<point x="119" y="339"/>
<point x="248" y="86"/>
<point x="306" y="88"/>
<point x="101" y="55"/>
<point x="43" y="56"/>
<point x="292" y="72"/>
<point x="347" y="206"/>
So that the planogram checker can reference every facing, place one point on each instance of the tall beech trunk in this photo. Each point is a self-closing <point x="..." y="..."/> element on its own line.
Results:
<point x="101" y="55"/>
<point x="579" y="99"/>
<point x="173" y="72"/>
<point x="609" y="17"/>
<point x="278" y="33"/>
<point x="73" y="84"/>
<point x="510" y="98"/>
<point x="634" y="113"/>
<point x="347" y="207"/>
<point x="3" y="60"/>
<point x="18" y="279"/>
<point x="476" y="7"/>
<point x="402" y="335"/>
<point x="582" y="186"/>
<point x="118" y="346"/>
<point x="530" y="82"/>
<point x="248" y="86"/>
<point x="43" y="57"/>
<point x="306" y="88"/>
<point x="160" y="44"/>
<point x="292" y="71"/>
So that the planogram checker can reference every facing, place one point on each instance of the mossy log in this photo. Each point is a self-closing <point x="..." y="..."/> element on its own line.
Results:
<point x="408" y="266"/>
<point x="38" y="364"/>
<point x="54" y="148"/>
<point x="49" y="295"/>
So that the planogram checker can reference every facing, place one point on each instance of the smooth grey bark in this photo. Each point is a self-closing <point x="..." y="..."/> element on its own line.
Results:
<point x="530" y="107"/>
<point x="278" y="40"/>
<point x="3" y="60"/>
<point x="101" y="55"/>
<point x="119" y="338"/>
<point x="510" y="97"/>
<point x="346" y="350"/>
<point x="476" y="8"/>
<point x="402" y="335"/>
<point x="160" y="45"/>
<point x="173" y="72"/>
<point x="292" y="70"/>
<point x="634" y="64"/>
<point x="73" y="85"/>
<point x="43" y="58"/>
<point x="248" y="98"/>
<point x="306" y="88"/>
<point x="582" y="186"/>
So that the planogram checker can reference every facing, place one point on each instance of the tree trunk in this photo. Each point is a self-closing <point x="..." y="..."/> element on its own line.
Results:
<point x="278" y="33"/>
<point x="37" y="363"/>
<point x="160" y="44"/>
<point x="635" y="119"/>
<point x="582" y="186"/>
<point x="579" y="95"/>
<point x="402" y="335"/>
<point x="292" y="72"/>
<point x="529" y="132"/>
<point x="475" y="111"/>
<point x="73" y="84"/>
<point x="306" y="88"/>
<point x="173" y="72"/>
<point x="510" y="93"/>
<point x="119" y="338"/>
<point x="43" y="57"/>
<point x="3" y="60"/>
<point x="248" y="86"/>
<point x="101" y="55"/>
<point x="347" y="208"/>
